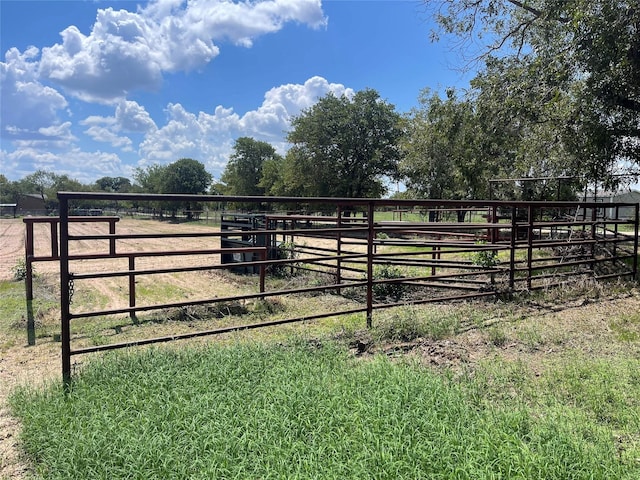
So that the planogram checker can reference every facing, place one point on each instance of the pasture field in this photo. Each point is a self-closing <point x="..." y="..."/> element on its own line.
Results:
<point x="545" y="386"/>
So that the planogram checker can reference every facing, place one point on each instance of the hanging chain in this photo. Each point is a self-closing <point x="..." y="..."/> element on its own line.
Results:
<point x="71" y="289"/>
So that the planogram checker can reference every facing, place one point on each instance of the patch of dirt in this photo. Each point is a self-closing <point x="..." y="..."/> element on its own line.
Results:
<point x="11" y="245"/>
<point x="21" y="365"/>
<point x="534" y="334"/>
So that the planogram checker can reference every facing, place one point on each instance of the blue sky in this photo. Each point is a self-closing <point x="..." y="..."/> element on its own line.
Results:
<point x="93" y="89"/>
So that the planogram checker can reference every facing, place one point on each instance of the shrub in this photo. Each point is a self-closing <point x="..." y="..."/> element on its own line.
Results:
<point x="401" y="326"/>
<point x="388" y="290"/>
<point x="410" y="323"/>
<point x="19" y="270"/>
<point x="285" y="251"/>
<point x="485" y="258"/>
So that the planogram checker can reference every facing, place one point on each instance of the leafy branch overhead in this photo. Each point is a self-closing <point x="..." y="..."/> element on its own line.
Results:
<point x="574" y="65"/>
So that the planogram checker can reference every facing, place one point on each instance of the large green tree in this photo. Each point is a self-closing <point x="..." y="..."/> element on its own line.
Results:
<point x="573" y="66"/>
<point x="183" y="176"/>
<point x="149" y="179"/>
<point x="114" y="184"/>
<point x="244" y="171"/>
<point x="344" y="147"/>
<point x="186" y="176"/>
<point x="47" y="184"/>
<point x="443" y="155"/>
<point x="9" y="191"/>
<point x="456" y="145"/>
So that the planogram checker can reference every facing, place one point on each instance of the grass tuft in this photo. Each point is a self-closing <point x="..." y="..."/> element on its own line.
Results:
<point x="409" y="323"/>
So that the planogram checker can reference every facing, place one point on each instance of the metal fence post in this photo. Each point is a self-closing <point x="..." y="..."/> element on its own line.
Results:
<point x="65" y="300"/>
<point x="263" y="269"/>
<point x="512" y="257"/>
<point x="28" y="281"/>
<point x="28" y="259"/>
<point x="370" y="240"/>
<point x="636" y="219"/>
<point x="594" y="237"/>
<point x="530" y="216"/>
<point x="339" y="247"/>
<point x="132" y="287"/>
<point x="112" y="241"/>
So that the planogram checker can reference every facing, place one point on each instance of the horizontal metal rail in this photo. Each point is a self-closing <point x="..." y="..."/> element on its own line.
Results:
<point x="524" y="245"/>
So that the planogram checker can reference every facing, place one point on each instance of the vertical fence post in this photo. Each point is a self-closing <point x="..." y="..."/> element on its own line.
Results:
<point x="370" y="239"/>
<point x="28" y="260"/>
<point x="433" y="258"/>
<point x="615" y="232"/>
<point x="636" y="220"/>
<point x="54" y="238"/>
<point x="28" y="281"/>
<point x="339" y="247"/>
<point x="112" y="241"/>
<point x="512" y="257"/>
<point x="594" y="238"/>
<point x="132" y="287"/>
<point x="65" y="300"/>
<point x="263" y="269"/>
<point x="495" y="231"/>
<point x="530" y="217"/>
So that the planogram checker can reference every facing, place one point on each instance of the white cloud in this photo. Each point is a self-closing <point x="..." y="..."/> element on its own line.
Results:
<point x="105" y="65"/>
<point x="130" y="117"/>
<point x="106" y="135"/>
<point x="28" y="109"/>
<point x="209" y="138"/>
<point x="242" y="22"/>
<point x="83" y="166"/>
<point x="61" y="132"/>
<point x="127" y="51"/>
<point x="272" y="119"/>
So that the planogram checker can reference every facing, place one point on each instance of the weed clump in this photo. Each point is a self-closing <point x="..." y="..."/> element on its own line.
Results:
<point x="392" y="290"/>
<point x="409" y="323"/>
<point x="19" y="270"/>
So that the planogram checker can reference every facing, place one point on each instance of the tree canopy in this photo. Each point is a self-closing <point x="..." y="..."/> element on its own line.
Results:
<point x="114" y="184"/>
<point x="343" y="147"/>
<point x="183" y="176"/>
<point x="244" y="171"/>
<point x="443" y="149"/>
<point x="186" y="176"/>
<point x="570" y="70"/>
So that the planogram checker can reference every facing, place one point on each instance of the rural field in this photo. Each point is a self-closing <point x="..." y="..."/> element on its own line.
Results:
<point x="540" y="386"/>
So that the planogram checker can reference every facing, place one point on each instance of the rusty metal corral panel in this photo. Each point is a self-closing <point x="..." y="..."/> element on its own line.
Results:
<point x="429" y="255"/>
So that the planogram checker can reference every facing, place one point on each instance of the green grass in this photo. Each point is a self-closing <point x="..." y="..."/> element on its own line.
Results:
<point x="310" y="410"/>
<point x="14" y="311"/>
<point x="588" y="400"/>
<point x="626" y="328"/>
<point x="12" y="304"/>
<point x="408" y="323"/>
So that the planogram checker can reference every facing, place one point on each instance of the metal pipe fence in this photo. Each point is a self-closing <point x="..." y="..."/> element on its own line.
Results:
<point x="30" y="256"/>
<point x="355" y="247"/>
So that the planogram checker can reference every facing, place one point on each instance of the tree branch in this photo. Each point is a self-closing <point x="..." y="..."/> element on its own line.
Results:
<point x="537" y="13"/>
